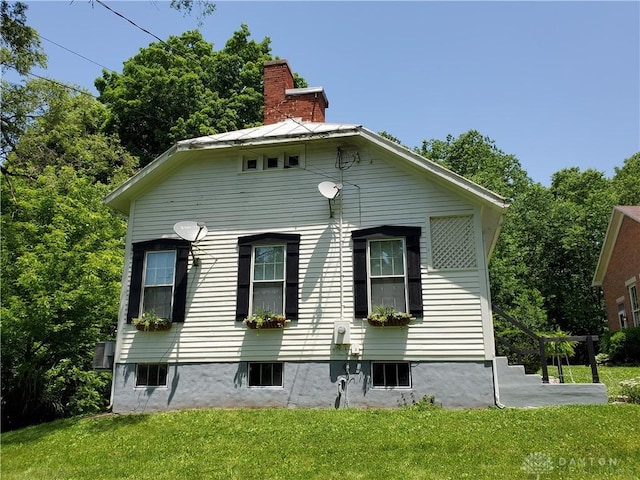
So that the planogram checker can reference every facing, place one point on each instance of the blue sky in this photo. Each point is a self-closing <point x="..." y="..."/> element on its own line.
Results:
<point x="557" y="84"/>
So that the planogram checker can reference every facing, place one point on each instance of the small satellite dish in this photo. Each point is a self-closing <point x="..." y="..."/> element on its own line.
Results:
<point x="329" y="190"/>
<point x="190" y="231"/>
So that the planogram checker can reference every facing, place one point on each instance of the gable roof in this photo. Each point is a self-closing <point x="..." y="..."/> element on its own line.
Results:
<point x="615" y="222"/>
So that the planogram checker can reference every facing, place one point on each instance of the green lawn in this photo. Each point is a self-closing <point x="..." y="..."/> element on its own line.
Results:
<point x="572" y="442"/>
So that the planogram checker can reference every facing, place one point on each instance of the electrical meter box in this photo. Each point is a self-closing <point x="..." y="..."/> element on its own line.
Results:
<point x="342" y="333"/>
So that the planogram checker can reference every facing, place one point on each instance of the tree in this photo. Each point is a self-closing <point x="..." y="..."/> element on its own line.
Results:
<point x="20" y="46"/>
<point x="182" y="88"/>
<point x="477" y="158"/>
<point x="62" y="253"/>
<point x="61" y="127"/>
<point x="626" y="186"/>
<point x="577" y="222"/>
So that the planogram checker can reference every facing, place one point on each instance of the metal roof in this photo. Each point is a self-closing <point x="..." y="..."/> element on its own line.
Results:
<point x="290" y="128"/>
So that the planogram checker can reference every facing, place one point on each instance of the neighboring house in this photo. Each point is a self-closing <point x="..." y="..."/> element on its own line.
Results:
<point x="618" y="270"/>
<point x="318" y="222"/>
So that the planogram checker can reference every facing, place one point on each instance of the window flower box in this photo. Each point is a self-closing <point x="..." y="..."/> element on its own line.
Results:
<point x="265" y="320"/>
<point x="387" y="317"/>
<point x="150" y="322"/>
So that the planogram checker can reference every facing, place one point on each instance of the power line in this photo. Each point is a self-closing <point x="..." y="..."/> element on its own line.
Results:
<point x="76" y="53"/>
<point x="99" y="2"/>
<point x="64" y="85"/>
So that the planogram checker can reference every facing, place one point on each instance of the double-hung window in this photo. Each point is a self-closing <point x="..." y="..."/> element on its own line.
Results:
<point x="157" y="293"/>
<point x="386" y="269"/>
<point x="268" y="292"/>
<point x="159" y="279"/>
<point x="268" y="265"/>
<point x="387" y="274"/>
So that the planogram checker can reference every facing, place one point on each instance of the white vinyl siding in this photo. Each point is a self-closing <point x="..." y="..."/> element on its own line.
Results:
<point x="233" y="204"/>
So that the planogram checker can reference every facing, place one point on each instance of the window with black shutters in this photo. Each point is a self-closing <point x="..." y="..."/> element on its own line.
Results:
<point x="268" y="266"/>
<point x="159" y="279"/>
<point x="386" y="269"/>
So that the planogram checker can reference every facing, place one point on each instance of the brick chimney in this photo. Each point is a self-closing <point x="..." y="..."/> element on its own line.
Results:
<point x="282" y="101"/>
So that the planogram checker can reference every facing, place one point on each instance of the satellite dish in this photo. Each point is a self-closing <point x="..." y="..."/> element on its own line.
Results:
<point x="190" y="231"/>
<point x="329" y="190"/>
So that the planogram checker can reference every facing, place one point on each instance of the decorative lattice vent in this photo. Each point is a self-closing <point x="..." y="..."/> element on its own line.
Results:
<point x="452" y="242"/>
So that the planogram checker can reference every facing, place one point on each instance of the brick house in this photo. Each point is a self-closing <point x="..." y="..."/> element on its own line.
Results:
<point x="618" y="270"/>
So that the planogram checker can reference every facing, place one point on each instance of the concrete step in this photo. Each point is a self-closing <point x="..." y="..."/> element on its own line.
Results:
<point x="518" y="389"/>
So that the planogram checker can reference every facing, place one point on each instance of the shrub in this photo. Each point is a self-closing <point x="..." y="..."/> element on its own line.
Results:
<point x="630" y="390"/>
<point x="622" y="346"/>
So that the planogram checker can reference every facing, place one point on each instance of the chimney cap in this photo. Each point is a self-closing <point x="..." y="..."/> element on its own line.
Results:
<point x="307" y="90"/>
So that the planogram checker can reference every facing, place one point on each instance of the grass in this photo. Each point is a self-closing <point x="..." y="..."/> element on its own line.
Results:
<point x="576" y="442"/>
<point x="610" y="376"/>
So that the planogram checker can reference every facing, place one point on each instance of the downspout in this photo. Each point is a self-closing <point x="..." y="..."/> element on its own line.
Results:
<point x="496" y="385"/>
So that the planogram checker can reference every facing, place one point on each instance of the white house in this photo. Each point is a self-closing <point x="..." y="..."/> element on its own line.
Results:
<point x="319" y="222"/>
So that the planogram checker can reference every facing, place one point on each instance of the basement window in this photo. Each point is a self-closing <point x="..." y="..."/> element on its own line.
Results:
<point x="265" y="374"/>
<point x="390" y="375"/>
<point x="151" y="375"/>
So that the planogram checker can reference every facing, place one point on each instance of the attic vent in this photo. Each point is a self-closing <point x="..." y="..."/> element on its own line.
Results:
<point x="452" y="242"/>
<point x="103" y="355"/>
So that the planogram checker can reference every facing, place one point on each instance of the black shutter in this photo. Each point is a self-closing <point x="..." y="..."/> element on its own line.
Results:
<point x="244" y="281"/>
<point x="291" y="287"/>
<point x="180" y="280"/>
<point x="135" y="287"/>
<point x="360" y="297"/>
<point x="414" y="277"/>
<point x="180" y="284"/>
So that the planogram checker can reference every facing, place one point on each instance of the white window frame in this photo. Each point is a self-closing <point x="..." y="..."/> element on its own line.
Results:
<point x="634" y="303"/>
<point x="261" y="364"/>
<point x="389" y="387"/>
<point x="370" y="276"/>
<point x="144" y="279"/>
<point x="147" y="366"/>
<point x="253" y="280"/>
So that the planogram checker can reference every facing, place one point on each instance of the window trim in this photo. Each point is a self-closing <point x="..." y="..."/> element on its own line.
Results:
<point x="144" y="278"/>
<point x="139" y="250"/>
<point x="283" y="281"/>
<point x="391" y="387"/>
<point x="635" y="309"/>
<point x="370" y="275"/>
<point x="361" y="294"/>
<point x="245" y="270"/>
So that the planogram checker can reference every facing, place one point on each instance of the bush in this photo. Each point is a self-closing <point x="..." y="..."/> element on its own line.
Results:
<point x="522" y="341"/>
<point x="630" y="390"/>
<point x="622" y="346"/>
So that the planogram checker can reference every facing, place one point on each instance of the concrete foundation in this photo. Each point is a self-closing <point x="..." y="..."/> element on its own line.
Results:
<point x="306" y="384"/>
